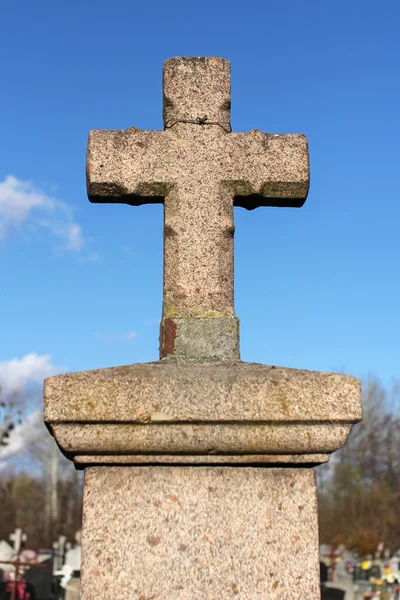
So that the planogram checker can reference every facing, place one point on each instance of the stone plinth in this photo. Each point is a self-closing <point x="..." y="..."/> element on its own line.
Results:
<point x="199" y="533"/>
<point x="170" y="412"/>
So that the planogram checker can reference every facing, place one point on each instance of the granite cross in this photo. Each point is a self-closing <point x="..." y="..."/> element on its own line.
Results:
<point x="200" y="170"/>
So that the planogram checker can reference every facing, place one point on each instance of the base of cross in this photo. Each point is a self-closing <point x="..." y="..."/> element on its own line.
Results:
<point x="212" y="338"/>
<point x="198" y="478"/>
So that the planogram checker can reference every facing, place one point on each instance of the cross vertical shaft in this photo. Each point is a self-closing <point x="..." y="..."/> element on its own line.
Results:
<point x="198" y="252"/>
<point x="198" y="307"/>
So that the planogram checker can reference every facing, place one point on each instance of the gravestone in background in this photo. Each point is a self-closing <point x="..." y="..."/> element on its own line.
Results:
<point x="198" y="478"/>
<point x="42" y="580"/>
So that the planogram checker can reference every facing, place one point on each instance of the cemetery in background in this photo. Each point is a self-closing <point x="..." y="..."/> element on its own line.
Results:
<point x="359" y="502"/>
<point x="29" y="501"/>
<point x="359" y="489"/>
<point x="40" y="490"/>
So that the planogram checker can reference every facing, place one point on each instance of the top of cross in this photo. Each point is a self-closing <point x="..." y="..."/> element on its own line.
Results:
<point x="196" y="89"/>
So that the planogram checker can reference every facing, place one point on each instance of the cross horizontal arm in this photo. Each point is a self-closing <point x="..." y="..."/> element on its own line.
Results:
<point x="126" y="167"/>
<point x="267" y="170"/>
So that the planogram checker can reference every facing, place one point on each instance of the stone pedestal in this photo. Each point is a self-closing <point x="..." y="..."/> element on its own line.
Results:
<point x="199" y="533"/>
<point x="199" y="480"/>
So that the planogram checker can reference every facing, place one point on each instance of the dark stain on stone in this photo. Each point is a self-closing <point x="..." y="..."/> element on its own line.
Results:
<point x="182" y="547"/>
<point x="230" y="231"/>
<point x="153" y="540"/>
<point x="169" y="231"/>
<point x="284" y="405"/>
<point x="168" y="337"/>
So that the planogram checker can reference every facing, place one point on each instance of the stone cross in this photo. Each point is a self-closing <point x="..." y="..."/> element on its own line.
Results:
<point x="199" y="479"/>
<point x="200" y="170"/>
<point x="18" y="538"/>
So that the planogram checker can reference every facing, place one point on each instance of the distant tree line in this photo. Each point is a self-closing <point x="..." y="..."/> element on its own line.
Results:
<point x="26" y="502"/>
<point x="359" y="490"/>
<point x="40" y="490"/>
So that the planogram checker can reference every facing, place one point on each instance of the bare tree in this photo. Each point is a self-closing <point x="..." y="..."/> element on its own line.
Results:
<point x="10" y="414"/>
<point x="359" y="493"/>
<point x="62" y="485"/>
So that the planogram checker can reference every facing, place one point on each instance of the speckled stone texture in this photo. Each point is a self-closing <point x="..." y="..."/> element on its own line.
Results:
<point x="199" y="171"/>
<point x="164" y="391"/>
<point x="230" y="410"/>
<point x="199" y="533"/>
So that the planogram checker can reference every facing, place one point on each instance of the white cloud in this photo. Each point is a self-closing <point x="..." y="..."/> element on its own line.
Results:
<point x="18" y="198"/>
<point x="74" y="237"/>
<point x="17" y="373"/>
<point x="23" y="204"/>
<point x="15" y="377"/>
<point x="28" y="432"/>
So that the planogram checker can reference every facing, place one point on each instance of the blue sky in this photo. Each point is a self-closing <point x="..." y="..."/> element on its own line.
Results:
<point x="316" y="288"/>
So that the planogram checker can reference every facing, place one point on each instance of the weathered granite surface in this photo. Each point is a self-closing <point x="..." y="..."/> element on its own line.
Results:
<point x="221" y="439"/>
<point x="168" y="408"/>
<point x="199" y="171"/>
<point x="199" y="533"/>
<point x="225" y="392"/>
